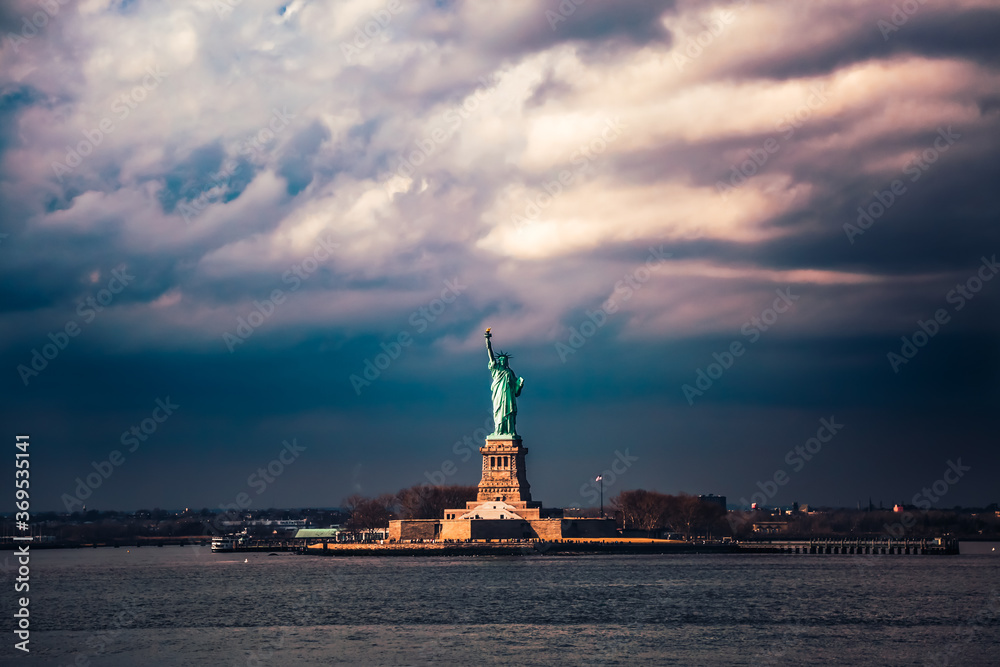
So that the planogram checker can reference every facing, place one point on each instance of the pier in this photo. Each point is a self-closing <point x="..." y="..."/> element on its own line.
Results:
<point x="883" y="546"/>
<point x="626" y="546"/>
<point x="312" y="546"/>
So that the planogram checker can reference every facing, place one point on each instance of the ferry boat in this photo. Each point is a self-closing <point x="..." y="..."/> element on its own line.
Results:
<point x="227" y="544"/>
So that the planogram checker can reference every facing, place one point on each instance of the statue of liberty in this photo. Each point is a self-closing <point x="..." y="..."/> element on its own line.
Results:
<point x="506" y="388"/>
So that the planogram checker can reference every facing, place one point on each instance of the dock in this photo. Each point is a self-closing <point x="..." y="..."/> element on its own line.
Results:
<point x="855" y="547"/>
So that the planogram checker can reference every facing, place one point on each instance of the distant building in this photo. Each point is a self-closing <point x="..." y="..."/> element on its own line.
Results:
<point x="712" y="498"/>
<point x="319" y="533"/>
<point x="770" y="527"/>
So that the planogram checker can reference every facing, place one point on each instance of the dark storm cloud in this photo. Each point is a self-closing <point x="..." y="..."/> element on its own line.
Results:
<point x="932" y="32"/>
<point x="519" y="92"/>
<point x="550" y="87"/>
<point x="541" y="26"/>
<point x="189" y="178"/>
<point x="16" y="16"/>
<point x="970" y="35"/>
<point x="635" y="22"/>
<point x="297" y="164"/>
<point x="13" y="99"/>
<point x="942" y="220"/>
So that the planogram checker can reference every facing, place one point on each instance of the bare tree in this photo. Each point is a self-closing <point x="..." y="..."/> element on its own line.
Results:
<point x="367" y="514"/>
<point x="429" y="502"/>
<point x="651" y="511"/>
<point x="641" y="509"/>
<point x="690" y="514"/>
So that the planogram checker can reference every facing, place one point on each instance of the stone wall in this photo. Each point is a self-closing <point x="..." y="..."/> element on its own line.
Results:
<point x="412" y="529"/>
<point x="588" y="528"/>
<point x="547" y="529"/>
<point x="501" y="529"/>
<point x="456" y="530"/>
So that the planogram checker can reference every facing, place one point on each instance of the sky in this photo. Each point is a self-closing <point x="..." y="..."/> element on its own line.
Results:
<point x="248" y="250"/>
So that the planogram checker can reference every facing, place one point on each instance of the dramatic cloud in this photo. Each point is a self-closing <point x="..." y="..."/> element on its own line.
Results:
<point x="242" y="204"/>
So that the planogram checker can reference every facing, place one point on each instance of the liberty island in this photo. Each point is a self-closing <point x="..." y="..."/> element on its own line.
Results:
<point x="503" y="508"/>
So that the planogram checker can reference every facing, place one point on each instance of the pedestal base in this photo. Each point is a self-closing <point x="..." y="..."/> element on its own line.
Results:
<point x="504" y="475"/>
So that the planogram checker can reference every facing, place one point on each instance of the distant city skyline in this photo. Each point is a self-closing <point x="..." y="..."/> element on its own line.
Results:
<point x="249" y="250"/>
<point x="877" y="506"/>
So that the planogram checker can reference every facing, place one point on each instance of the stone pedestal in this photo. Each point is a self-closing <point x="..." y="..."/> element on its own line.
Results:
<point x="504" y="475"/>
<point x="503" y="509"/>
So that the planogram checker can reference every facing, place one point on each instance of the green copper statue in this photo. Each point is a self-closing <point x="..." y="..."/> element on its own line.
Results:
<point x="506" y="388"/>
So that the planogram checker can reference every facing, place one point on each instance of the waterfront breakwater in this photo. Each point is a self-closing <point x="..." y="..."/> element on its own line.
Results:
<point x="637" y="546"/>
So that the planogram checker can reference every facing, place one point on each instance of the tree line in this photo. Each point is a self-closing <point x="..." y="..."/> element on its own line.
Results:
<point x="655" y="513"/>
<point x="683" y="513"/>
<point x="422" y="501"/>
<point x="633" y="510"/>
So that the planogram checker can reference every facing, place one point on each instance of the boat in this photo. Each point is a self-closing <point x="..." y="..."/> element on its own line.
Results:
<point x="227" y="543"/>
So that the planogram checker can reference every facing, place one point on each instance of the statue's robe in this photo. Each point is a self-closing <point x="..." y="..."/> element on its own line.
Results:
<point x="505" y="388"/>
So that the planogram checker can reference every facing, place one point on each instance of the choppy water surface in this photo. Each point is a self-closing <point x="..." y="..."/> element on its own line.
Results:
<point x="187" y="606"/>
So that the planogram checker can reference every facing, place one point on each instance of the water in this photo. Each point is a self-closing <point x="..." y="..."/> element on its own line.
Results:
<point x="187" y="606"/>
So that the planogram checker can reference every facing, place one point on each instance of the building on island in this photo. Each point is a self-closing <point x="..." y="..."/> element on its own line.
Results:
<point x="713" y="498"/>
